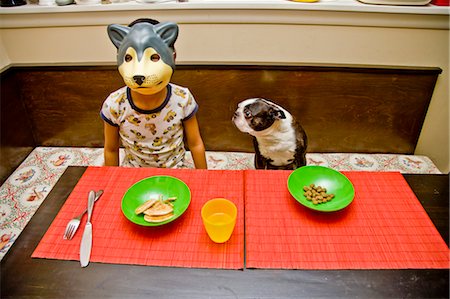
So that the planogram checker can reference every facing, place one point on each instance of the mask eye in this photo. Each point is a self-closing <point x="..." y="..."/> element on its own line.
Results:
<point x="128" y="58"/>
<point x="155" y="57"/>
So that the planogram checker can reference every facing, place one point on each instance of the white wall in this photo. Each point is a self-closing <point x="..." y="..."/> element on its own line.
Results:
<point x="4" y="59"/>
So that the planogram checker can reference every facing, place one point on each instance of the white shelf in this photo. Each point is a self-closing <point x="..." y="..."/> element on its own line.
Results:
<point x="324" y="5"/>
<point x="325" y="12"/>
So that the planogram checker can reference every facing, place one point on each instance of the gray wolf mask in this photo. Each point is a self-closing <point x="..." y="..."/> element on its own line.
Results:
<point x="280" y="142"/>
<point x="145" y="54"/>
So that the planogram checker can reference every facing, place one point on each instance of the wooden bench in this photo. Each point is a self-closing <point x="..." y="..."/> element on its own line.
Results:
<point x="344" y="109"/>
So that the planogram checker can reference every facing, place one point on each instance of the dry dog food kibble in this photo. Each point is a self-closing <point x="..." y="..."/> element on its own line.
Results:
<point x="317" y="194"/>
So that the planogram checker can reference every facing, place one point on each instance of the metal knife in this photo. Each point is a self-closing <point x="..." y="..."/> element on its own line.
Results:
<point x="86" y="240"/>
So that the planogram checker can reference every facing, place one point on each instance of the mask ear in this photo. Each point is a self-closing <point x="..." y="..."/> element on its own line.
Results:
<point x="117" y="33"/>
<point x="277" y="113"/>
<point x="168" y="32"/>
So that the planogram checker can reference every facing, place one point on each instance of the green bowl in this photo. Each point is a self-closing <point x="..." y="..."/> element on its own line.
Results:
<point x="333" y="180"/>
<point x="150" y="188"/>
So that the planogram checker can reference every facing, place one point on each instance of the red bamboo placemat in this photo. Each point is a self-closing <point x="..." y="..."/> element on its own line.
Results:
<point x="181" y="243"/>
<point x="385" y="227"/>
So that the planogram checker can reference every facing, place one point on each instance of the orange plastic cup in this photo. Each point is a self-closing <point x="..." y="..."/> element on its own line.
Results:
<point x="219" y="218"/>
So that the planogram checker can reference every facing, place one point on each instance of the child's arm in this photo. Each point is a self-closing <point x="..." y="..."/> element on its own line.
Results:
<point x="195" y="142"/>
<point x="112" y="143"/>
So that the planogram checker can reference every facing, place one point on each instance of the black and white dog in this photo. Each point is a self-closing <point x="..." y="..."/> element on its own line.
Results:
<point x="280" y="142"/>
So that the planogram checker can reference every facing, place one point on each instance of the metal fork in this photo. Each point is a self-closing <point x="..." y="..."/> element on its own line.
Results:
<point x="73" y="224"/>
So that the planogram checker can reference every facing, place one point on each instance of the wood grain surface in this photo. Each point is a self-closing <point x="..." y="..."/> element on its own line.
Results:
<point x="25" y="277"/>
<point x="342" y="108"/>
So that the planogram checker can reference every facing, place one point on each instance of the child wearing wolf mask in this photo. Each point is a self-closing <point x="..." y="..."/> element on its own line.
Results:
<point x="150" y="116"/>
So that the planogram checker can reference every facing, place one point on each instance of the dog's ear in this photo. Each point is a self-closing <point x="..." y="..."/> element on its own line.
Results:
<point x="276" y="113"/>
<point x="168" y="31"/>
<point x="117" y="33"/>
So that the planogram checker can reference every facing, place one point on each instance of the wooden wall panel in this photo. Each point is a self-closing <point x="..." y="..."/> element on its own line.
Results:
<point x="343" y="109"/>
<point x="64" y="103"/>
<point x="16" y="138"/>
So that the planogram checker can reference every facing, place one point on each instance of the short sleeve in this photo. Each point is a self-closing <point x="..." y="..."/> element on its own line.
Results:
<point x="111" y="111"/>
<point x="191" y="107"/>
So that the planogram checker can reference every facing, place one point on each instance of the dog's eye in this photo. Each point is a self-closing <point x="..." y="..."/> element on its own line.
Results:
<point x="155" y="57"/>
<point x="247" y="114"/>
<point x="128" y="58"/>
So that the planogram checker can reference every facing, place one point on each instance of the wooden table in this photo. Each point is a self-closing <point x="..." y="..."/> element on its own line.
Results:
<point x="22" y="276"/>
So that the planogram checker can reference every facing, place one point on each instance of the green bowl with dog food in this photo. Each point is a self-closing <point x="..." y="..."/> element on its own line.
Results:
<point x="321" y="188"/>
